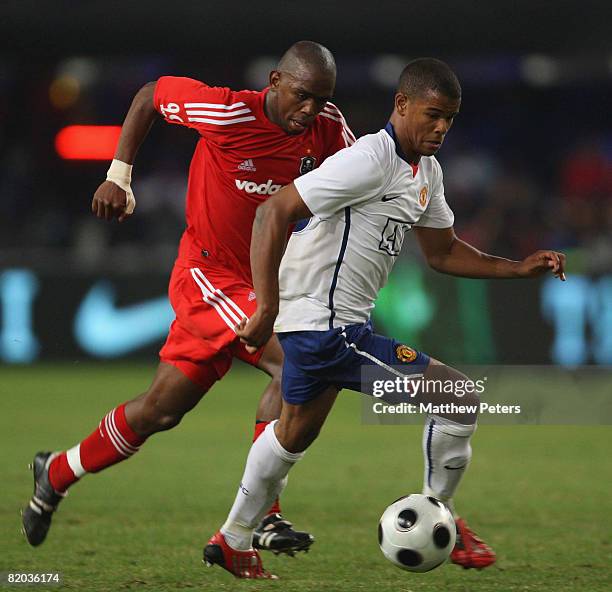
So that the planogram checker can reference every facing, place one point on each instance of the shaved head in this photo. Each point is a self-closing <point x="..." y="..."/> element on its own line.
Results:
<point x="301" y="86"/>
<point x="308" y="57"/>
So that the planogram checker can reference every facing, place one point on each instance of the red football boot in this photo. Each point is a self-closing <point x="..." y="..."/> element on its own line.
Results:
<point x="470" y="551"/>
<point x="242" y="564"/>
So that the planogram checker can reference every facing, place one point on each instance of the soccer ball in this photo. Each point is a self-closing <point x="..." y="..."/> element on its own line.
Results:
<point x="417" y="533"/>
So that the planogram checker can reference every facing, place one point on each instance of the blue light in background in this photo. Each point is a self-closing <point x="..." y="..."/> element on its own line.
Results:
<point x="18" y="345"/>
<point x="600" y="313"/>
<point x="105" y="331"/>
<point x="580" y="311"/>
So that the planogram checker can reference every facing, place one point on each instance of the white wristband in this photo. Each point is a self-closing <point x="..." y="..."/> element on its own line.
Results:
<point x="120" y="173"/>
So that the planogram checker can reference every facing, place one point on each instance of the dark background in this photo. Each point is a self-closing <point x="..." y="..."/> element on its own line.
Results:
<point x="199" y="29"/>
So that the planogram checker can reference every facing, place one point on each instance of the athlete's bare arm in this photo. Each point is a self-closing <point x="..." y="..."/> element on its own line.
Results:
<point x="267" y="244"/>
<point x="109" y="201"/>
<point x="447" y="253"/>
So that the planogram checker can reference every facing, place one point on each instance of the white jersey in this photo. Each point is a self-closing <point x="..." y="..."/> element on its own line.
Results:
<point x="363" y="200"/>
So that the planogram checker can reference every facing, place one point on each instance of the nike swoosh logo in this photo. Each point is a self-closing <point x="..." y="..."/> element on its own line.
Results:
<point x="390" y="197"/>
<point x="104" y="330"/>
<point x="454" y="468"/>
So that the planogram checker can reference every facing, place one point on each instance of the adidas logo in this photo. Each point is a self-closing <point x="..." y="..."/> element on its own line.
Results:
<point x="247" y="165"/>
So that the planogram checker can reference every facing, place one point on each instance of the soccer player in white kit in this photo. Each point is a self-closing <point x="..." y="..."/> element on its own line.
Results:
<point x="359" y="205"/>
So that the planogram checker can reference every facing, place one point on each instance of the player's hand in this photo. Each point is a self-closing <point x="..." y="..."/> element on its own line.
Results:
<point x="110" y="201"/>
<point x="542" y="262"/>
<point x="256" y="331"/>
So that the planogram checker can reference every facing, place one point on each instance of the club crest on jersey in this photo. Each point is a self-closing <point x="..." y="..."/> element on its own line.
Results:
<point x="307" y="164"/>
<point x="405" y="353"/>
<point x="423" y="196"/>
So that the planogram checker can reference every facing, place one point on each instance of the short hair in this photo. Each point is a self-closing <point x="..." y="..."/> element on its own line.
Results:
<point x="423" y="75"/>
<point x="309" y="55"/>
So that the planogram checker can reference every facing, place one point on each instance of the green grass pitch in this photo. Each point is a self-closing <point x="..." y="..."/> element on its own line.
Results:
<point x="539" y="494"/>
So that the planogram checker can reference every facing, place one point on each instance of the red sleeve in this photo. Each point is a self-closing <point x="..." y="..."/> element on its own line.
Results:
<point x="188" y="102"/>
<point x="341" y="134"/>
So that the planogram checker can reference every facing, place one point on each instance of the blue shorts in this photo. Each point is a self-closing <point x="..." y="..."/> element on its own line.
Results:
<point x="315" y="360"/>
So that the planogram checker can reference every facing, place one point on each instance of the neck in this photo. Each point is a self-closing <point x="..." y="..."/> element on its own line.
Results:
<point x="270" y="107"/>
<point x="408" y="153"/>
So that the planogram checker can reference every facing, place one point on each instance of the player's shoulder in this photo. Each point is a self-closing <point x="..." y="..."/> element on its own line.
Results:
<point x="188" y="83"/>
<point x="331" y="114"/>
<point x="249" y="97"/>
<point x="431" y="166"/>
<point x="223" y="96"/>
<point x="205" y="107"/>
<point x="331" y="120"/>
<point x="380" y="145"/>
<point x="371" y="158"/>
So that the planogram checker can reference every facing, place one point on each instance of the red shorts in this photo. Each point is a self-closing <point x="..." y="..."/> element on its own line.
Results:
<point x="208" y="303"/>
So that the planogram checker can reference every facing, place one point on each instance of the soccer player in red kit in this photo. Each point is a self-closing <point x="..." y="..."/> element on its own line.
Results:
<point x="251" y="144"/>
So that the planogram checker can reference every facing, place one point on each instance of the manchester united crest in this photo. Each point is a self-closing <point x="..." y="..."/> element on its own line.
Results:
<point x="405" y="354"/>
<point x="307" y="164"/>
<point x="423" y="196"/>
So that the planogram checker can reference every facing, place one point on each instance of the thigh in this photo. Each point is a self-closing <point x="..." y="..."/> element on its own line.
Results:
<point x="377" y="357"/>
<point x="199" y="362"/>
<point x="208" y="304"/>
<point x="298" y="387"/>
<point x="268" y="358"/>
<point x="171" y="394"/>
<point x="348" y="357"/>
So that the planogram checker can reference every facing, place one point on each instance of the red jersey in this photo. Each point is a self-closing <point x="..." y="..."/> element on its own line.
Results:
<point x="240" y="160"/>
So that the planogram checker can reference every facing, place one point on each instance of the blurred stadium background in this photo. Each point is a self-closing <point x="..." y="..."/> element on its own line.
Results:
<point x="527" y="165"/>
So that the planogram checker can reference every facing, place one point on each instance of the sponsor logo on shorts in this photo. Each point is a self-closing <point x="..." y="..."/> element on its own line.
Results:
<point x="251" y="296"/>
<point x="267" y="188"/>
<point x="405" y="353"/>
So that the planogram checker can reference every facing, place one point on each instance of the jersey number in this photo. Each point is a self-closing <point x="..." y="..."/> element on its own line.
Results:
<point x="170" y="111"/>
<point x="393" y="236"/>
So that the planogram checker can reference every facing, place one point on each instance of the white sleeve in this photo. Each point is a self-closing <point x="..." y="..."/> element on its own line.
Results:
<point x="437" y="214"/>
<point x="349" y="177"/>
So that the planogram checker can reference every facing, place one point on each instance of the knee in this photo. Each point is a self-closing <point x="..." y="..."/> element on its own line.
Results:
<point x="150" y="417"/>
<point x="165" y="421"/>
<point x="308" y="436"/>
<point x="296" y="440"/>
<point x="465" y="388"/>
<point x="465" y="395"/>
<point x="453" y="382"/>
<point x="450" y="386"/>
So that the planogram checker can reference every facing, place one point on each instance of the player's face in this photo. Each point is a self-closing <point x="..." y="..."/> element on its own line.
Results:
<point x="298" y="98"/>
<point x="424" y="122"/>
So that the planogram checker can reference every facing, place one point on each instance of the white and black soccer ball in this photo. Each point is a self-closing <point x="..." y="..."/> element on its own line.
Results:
<point x="417" y="533"/>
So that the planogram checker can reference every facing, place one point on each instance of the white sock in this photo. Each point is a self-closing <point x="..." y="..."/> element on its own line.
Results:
<point x="265" y="476"/>
<point x="447" y="453"/>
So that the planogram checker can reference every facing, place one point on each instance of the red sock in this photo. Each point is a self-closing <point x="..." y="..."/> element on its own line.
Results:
<point x="111" y="442"/>
<point x="260" y="426"/>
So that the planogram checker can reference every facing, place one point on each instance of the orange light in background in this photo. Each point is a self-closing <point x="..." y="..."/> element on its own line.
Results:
<point x="64" y="92"/>
<point x="87" y="142"/>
